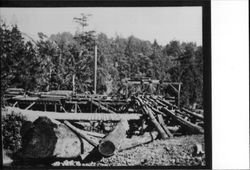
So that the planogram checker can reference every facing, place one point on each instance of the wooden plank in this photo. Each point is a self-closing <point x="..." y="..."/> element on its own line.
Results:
<point x="32" y="115"/>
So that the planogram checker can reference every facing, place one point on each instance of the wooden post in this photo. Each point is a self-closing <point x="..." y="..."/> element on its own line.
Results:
<point x="95" y="79"/>
<point x="45" y="107"/>
<point x="55" y="107"/>
<point x="91" y="105"/>
<point x="73" y="82"/>
<point x="179" y="95"/>
<point x="75" y="107"/>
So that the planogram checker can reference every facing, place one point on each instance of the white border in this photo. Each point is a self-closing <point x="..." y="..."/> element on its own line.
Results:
<point x="230" y="84"/>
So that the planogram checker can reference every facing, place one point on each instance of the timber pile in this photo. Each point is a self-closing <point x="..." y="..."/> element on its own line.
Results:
<point x="60" y="134"/>
<point x="163" y="113"/>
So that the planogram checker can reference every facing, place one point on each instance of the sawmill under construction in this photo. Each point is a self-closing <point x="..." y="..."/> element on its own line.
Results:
<point x="66" y="125"/>
<point x="85" y="98"/>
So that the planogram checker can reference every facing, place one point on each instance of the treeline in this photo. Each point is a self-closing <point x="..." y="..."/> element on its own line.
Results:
<point x="51" y="62"/>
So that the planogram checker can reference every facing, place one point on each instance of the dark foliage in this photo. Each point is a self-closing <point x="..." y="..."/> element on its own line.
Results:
<point x="11" y="126"/>
<point x="53" y="62"/>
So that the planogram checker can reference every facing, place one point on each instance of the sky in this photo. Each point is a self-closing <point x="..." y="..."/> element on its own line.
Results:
<point x="147" y="23"/>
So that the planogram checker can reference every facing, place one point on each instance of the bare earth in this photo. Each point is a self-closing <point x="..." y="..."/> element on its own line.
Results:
<point x="177" y="151"/>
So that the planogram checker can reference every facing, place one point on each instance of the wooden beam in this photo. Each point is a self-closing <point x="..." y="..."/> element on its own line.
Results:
<point x="15" y="104"/>
<point x="30" y="106"/>
<point x="55" y="105"/>
<point x="32" y="115"/>
<point x="179" y="96"/>
<point x="76" y="107"/>
<point x="45" y="107"/>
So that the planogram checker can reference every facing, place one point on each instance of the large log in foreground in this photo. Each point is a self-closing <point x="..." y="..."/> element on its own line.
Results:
<point x="46" y="138"/>
<point x="112" y="141"/>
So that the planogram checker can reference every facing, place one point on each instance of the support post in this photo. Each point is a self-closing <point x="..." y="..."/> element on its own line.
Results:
<point x="73" y="82"/>
<point x="75" y="107"/>
<point x="95" y="81"/>
<point x="179" y="95"/>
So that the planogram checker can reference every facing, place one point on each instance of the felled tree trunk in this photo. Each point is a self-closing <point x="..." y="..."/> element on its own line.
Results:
<point x="45" y="138"/>
<point x="113" y="140"/>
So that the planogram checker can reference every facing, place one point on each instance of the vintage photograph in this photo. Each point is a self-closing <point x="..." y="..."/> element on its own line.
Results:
<point x="103" y="87"/>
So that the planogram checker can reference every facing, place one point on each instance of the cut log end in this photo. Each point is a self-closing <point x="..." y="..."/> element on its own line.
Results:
<point x="107" y="148"/>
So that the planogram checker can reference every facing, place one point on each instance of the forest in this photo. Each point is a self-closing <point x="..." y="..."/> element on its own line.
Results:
<point x="50" y="62"/>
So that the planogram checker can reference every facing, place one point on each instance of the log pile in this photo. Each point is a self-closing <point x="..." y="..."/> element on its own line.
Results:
<point x="61" y="135"/>
<point x="161" y="111"/>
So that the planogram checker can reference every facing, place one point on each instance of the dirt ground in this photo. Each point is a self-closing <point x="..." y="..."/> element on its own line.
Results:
<point x="178" y="151"/>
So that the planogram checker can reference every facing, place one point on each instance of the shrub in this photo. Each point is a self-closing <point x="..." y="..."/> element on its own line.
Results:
<point x="11" y="126"/>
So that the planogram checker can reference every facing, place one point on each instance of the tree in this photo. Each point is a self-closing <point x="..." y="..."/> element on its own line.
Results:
<point x="19" y="62"/>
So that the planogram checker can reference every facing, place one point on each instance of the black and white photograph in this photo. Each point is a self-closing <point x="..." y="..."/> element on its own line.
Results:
<point x="106" y="86"/>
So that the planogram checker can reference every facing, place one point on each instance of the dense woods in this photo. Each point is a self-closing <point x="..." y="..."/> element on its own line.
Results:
<point x="51" y="62"/>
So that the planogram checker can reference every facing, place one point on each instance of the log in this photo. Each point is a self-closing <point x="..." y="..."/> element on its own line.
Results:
<point x="101" y="106"/>
<point x="113" y="140"/>
<point x="149" y="112"/>
<point x="167" y="103"/>
<point x="192" y="127"/>
<point x="47" y="138"/>
<point x="197" y="116"/>
<point x="81" y="133"/>
<point x="161" y="121"/>
<point x="164" y="126"/>
<point x="94" y="134"/>
<point x="135" y="141"/>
